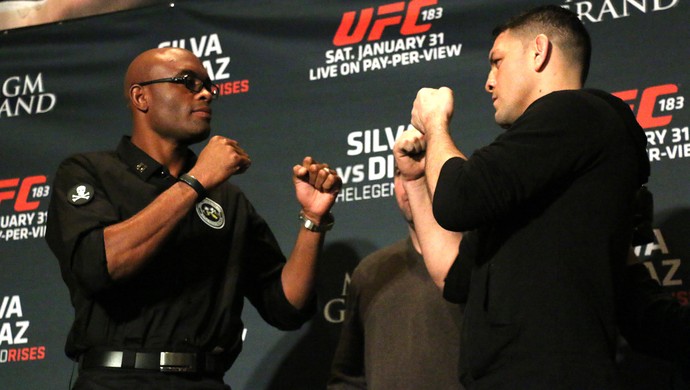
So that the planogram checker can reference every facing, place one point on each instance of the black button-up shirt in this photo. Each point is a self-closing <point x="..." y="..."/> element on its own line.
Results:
<point x="189" y="297"/>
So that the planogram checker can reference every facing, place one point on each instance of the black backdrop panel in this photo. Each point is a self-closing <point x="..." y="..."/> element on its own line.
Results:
<point x="330" y="79"/>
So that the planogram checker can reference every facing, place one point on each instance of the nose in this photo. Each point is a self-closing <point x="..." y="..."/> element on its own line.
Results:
<point x="207" y="95"/>
<point x="490" y="82"/>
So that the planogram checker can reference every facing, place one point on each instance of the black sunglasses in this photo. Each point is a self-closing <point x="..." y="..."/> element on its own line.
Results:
<point x="190" y="82"/>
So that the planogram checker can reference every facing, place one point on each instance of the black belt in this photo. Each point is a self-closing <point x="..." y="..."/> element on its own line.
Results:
<point x="182" y="362"/>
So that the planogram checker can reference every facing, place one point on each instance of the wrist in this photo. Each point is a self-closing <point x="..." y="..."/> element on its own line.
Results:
<point x="319" y="225"/>
<point x="191" y="181"/>
<point x="437" y="126"/>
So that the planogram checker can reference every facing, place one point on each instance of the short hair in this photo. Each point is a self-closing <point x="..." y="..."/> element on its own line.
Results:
<point x="563" y="28"/>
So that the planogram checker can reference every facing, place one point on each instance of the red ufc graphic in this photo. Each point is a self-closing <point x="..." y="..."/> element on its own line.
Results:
<point x="648" y="100"/>
<point x="387" y="15"/>
<point x="9" y="191"/>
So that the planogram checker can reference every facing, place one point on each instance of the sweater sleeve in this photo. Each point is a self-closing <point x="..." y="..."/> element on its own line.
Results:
<point x="537" y="156"/>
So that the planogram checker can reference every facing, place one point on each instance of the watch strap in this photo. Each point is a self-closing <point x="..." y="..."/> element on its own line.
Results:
<point x="310" y="225"/>
<point x="194" y="183"/>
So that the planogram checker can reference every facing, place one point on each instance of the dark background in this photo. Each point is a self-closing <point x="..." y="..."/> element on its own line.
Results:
<point x="62" y="93"/>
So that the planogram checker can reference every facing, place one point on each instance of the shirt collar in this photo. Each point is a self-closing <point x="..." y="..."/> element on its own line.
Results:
<point x="143" y="164"/>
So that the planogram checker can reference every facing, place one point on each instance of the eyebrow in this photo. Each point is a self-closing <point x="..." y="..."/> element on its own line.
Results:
<point x="183" y="72"/>
<point x="493" y="54"/>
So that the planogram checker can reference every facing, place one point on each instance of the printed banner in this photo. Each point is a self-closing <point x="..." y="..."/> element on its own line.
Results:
<point x="331" y="79"/>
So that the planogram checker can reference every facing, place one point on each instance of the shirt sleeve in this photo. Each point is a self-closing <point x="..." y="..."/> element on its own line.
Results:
<point x="548" y="142"/>
<point x="347" y="369"/>
<point x="262" y="281"/>
<point x="75" y="230"/>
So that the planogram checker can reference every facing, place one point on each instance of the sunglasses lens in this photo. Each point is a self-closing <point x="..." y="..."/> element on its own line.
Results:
<point x="211" y="88"/>
<point x="193" y="84"/>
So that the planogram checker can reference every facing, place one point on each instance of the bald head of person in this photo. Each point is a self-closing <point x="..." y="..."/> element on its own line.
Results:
<point x="169" y="94"/>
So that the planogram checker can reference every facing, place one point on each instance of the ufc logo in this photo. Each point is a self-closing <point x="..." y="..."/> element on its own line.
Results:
<point x="387" y="15"/>
<point x="11" y="189"/>
<point x="647" y="101"/>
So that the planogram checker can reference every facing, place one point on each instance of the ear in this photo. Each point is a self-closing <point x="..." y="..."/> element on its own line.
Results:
<point x="137" y="98"/>
<point x="542" y="52"/>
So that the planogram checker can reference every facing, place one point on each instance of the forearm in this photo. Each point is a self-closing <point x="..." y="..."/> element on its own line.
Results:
<point x="439" y="246"/>
<point x="440" y="148"/>
<point x="299" y="273"/>
<point x="131" y="243"/>
<point x="316" y="187"/>
<point x="431" y="114"/>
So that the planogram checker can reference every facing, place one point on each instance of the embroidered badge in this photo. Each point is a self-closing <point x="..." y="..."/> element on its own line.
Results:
<point x="80" y="194"/>
<point x="211" y="213"/>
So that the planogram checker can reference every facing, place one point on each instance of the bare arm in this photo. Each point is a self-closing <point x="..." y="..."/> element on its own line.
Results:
<point x="432" y="112"/>
<point x="439" y="246"/>
<point x="132" y="242"/>
<point x="316" y="188"/>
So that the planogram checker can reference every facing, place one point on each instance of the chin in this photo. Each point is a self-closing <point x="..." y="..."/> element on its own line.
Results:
<point x="198" y="137"/>
<point x="503" y="122"/>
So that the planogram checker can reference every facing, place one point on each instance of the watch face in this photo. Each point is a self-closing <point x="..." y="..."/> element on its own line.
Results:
<point x="311" y="226"/>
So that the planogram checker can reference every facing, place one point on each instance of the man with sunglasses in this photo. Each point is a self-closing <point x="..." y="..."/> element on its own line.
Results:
<point x="159" y="250"/>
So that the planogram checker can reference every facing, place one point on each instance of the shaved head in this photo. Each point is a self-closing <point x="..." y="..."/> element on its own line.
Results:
<point x="152" y="64"/>
<point x="167" y="109"/>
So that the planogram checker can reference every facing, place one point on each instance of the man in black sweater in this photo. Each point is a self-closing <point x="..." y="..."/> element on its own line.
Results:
<point x="548" y="204"/>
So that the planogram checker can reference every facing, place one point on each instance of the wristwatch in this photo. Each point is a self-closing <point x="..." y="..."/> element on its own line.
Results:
<point x="313" y="227"/>
<point x="194" y="183"/>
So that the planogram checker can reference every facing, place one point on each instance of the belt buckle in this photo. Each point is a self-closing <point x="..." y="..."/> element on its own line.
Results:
<point x="178" y="362"/>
